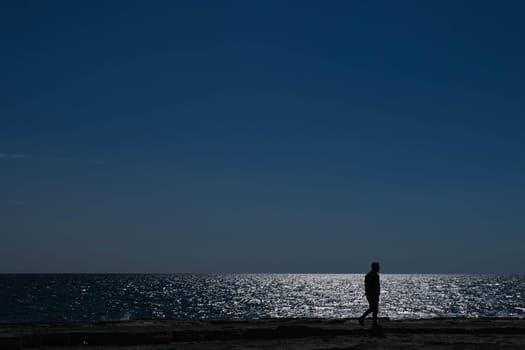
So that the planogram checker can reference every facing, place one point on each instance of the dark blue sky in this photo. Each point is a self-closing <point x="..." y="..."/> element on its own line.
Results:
<point x="262" y="136"/>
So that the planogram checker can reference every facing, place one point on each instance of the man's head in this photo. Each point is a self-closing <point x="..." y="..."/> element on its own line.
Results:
<point x="375" y="266"/>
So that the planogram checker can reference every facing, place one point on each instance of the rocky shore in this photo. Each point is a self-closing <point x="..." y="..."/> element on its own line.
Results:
<point x="486" y="333"/>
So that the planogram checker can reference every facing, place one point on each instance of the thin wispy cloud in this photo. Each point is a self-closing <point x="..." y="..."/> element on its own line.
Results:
<point x="78" y="160"/>
<point x="12" y="203"/>
<point x="12" y="155"/>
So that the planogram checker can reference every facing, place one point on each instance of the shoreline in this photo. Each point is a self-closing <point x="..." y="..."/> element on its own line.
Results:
<point x="271" y="333"/>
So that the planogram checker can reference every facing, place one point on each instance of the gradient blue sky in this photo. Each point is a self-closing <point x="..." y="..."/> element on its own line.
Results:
<point x="268" y="136"/>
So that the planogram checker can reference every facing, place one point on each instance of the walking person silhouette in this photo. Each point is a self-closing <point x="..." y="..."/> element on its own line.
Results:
<point x="372" y="291"/>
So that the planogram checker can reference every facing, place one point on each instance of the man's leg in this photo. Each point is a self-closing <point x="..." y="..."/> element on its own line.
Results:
<point x="375" y="309"/>
<point x="367" y="312"/>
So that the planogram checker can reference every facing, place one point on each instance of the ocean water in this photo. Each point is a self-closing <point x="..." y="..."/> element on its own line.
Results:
<point x="104" y="297"/>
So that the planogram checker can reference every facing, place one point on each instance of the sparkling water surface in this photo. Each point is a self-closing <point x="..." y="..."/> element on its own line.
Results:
<point x="91" y="297"/>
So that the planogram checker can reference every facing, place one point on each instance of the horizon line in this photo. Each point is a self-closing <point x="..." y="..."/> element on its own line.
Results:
<point x="260" y="273"/>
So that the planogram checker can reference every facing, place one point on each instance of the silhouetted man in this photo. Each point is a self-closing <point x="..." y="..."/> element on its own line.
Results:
<point x="372" y="291"/>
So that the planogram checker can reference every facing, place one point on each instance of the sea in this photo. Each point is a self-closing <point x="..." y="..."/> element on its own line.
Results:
<point x="117" y="297"/>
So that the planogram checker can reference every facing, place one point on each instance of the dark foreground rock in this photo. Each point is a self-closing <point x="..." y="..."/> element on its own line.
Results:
<point x="267" y="334"/>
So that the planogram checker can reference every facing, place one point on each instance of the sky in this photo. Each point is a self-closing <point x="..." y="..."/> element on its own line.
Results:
<point x="262" y="136"/>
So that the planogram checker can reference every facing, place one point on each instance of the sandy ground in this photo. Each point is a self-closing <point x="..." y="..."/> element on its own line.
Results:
<point x="268" y="334"/>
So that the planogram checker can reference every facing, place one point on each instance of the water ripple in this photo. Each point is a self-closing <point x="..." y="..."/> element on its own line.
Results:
<point x="28" y="298"/>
